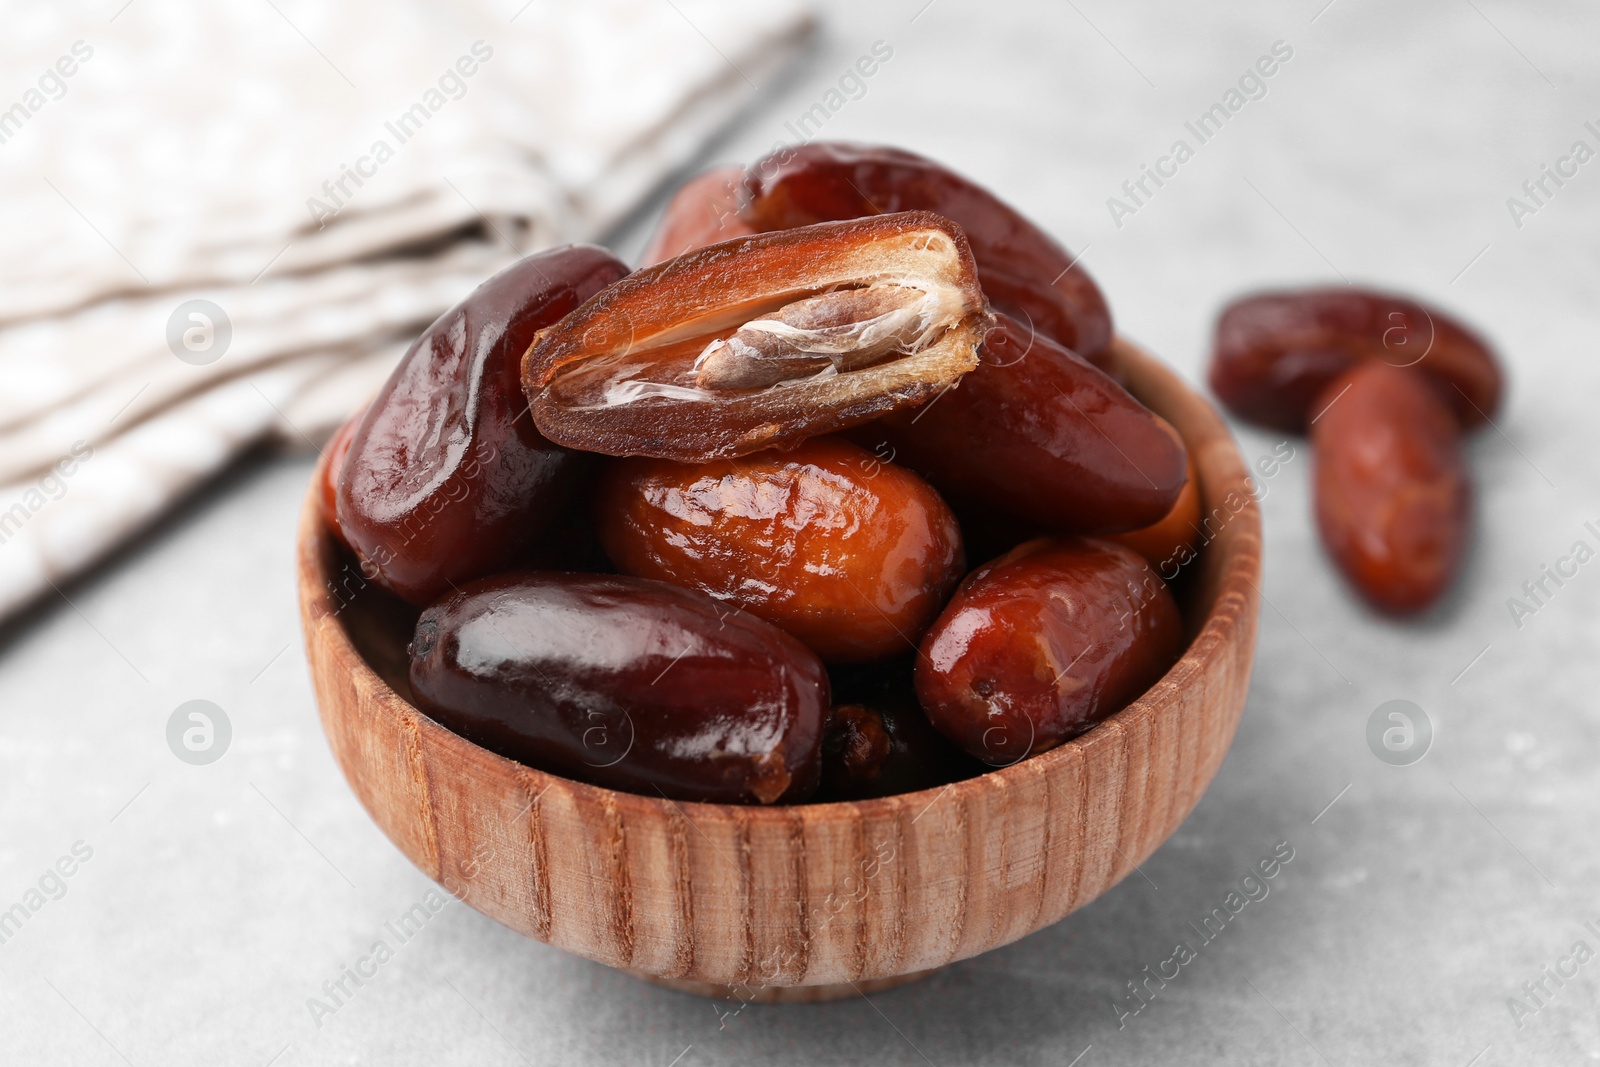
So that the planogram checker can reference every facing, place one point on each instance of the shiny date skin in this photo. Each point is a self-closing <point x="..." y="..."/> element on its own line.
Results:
<point x="1043" y="643"/>
<point x="447" y="478"/>
<point x="1275" y="352"/>
<point x="625" y="683"/>
<point x="1023" y="270"/>
<point x="851" y="555"/>
<point x="1039" y="433"/>
<point x="879" y="743"/>
<point x="1393" y="500"/>
<point x="704" y="211"/>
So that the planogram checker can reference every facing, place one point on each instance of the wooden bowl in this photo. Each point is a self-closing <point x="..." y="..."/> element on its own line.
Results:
<point x="816" y="900"/>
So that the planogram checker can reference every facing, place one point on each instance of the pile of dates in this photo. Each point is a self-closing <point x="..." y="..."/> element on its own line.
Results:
<point x="836" y="497"/>
<point x="1387" y="388"/>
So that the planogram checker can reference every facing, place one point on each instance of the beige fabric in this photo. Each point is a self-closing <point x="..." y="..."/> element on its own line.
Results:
<point x="331" y="176"/>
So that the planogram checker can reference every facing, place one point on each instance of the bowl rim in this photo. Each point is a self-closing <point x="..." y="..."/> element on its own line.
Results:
<point x="1238" y="542"/>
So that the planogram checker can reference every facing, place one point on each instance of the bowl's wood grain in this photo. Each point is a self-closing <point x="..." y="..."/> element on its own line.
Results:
<point x="813" y="894"/>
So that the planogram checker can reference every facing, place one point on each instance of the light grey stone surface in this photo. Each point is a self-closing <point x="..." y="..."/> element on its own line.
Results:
<point x="219" y="898"/>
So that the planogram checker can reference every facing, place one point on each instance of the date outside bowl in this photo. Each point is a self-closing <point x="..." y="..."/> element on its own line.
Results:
<point x="813" y="901"/>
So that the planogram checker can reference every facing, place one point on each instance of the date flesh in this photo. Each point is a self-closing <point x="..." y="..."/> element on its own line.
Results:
<point x="447" y="477"/>
<point x="1276" y="352"/>
<point x="705" y="211"/>
<point x="762" y="342"/>
<point x="1393" y="501"/>
<point x="851" y="555"/>
<point x="1023" y="270"/>
<point x="1043" y="643"/>
<point x="625" y="683"/>
<point x="1039" y="433"/>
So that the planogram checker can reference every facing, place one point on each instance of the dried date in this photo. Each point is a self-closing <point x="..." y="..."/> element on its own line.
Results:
<point x="851" y="555"/>
<point x="1275" y="352"/>
<point x="1393" y="501"/>
<point x="447" y="477"/>
<point x="1039" y="433"/>
<point x="762" y="342"/>
<point x="1043" y="643"/>
<point x="1023" y="270"/>
<point x="625" y="683"/>
<point x="879" y="743"/>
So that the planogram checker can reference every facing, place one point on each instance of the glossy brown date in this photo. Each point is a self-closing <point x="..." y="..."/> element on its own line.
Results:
<point x="447" y="478"/>
<point x="1275" y="352"/>
<point x="762" y="342"/>
<point x="851" y="555"/>
<point x="1043" y="643"/>
<point x="704" y="211"/>
<point x="1039" y="433"/>
<point x="625" y="683"/>
<point x="1023" y="270"/>
<point x="1393" y="501"/>
<point x="879" y="743"/>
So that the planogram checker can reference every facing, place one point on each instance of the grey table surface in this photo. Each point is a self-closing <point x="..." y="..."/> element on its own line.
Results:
<point x="215" y="901"/>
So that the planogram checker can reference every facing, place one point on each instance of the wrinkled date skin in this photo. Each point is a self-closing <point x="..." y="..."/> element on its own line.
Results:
<point x="704" y="211"/>
<point x="851" y="555"/>
<point x="762" y="342"/>
<point x="625" y="683"/>
<point x="1393" y="501"/>
<point x="879" y="743"/>
<point x="1038" y="432"/>
<point x="447" y="477"/>
<point x="1043" y="643"/>
<point x="1276" y="352"/>
<point x="1024" y="272"/>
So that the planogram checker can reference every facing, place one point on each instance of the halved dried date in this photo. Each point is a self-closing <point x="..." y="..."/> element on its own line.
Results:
<point x="1040" y="433"/>
<point x="762" y="342"/>
<point x="704" y="211"/>
<point x="851" y="555"/>
<point x="1023" y="270"/>
<point x="1393" y="501"/>
<point x="447" y="478"/>
<point x="1276" y="352"/>
<point x="625" y="683"/>
<point x="1043" y="643"/>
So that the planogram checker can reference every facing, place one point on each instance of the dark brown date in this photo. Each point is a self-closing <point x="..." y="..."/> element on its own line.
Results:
<point x="1276" y="352"/>
<point x="1043" y="643"/>
<point x="447" y="477"/>
<point x="1038" y="432"/>
<point x="704" y="211"/>
<point x="1023" y="270"/>
<point x="625" y="683"/>
<point x="1393" y="500"/>
<point x="762" y="342"/>
<point x="879" y="743"/>
<point x="851" y="555"/>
